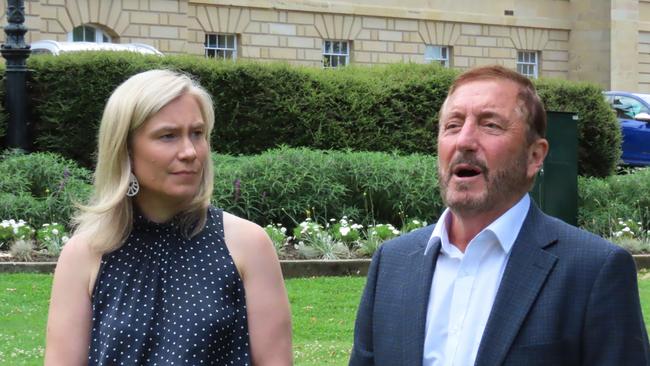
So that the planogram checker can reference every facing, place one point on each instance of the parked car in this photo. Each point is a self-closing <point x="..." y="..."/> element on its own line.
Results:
<point x="633" y="113"/>
<point x="55" y="47"/>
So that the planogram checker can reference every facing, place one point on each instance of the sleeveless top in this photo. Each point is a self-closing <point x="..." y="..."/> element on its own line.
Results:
<point x="162" y="299"/>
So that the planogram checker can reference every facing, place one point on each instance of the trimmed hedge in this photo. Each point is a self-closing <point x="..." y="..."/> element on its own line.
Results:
<point x="261" y="106"/>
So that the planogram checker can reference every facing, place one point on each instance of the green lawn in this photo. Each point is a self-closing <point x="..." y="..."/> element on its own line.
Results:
<point x="323" y="311"/>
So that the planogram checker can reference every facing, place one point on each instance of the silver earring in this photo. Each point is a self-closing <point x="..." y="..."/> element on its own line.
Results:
<point x="134" y="186"/>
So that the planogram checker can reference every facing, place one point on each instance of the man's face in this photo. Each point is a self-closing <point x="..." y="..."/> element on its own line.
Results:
<point x="485" y="163"/>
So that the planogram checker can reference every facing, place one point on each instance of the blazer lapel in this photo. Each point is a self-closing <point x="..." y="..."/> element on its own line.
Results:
<point x="415" y="300"/>
<point x="523" y="278"/>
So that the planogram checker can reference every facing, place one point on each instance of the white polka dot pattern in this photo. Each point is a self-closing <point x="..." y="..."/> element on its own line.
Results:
<point x="162" y="299"/>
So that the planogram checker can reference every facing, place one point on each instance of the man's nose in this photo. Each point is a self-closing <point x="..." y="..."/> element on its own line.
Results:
<point x="468" y="136"/>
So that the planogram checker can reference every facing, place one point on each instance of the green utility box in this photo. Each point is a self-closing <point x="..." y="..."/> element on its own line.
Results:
<point x="556" y="187"/>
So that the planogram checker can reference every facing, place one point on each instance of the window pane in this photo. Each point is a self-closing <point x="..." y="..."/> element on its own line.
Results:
<point x="228" y="55"/>
<point x="520" y="56"/>
<point x="335" y="61"/>
<point x="220" y="54"/>
<point x="533" y="57"/>
<point x="89" y="34"/>
<point x="231" y="42"/>
<point x="443" y="51"/>
<point x="336" y="47"/>
<point x="78" y="34"/>
<point x="344" y="47"/>
<point x="221" y="41"/>
<point x="326" y="61"/>
<point x="105" y="38"/>
<point x="328" y="47"/>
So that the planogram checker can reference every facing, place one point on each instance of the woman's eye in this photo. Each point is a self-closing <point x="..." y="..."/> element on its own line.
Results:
<point x="197" y="133"/>
<point x="167" y="136"/>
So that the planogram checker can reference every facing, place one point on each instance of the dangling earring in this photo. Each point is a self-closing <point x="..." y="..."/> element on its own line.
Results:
<point x="134" y="186"/>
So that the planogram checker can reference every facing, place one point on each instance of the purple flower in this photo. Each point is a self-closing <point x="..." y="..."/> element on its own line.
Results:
<point x="237" y="184"/>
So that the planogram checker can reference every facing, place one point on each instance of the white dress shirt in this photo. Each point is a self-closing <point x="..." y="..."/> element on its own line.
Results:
<point x="464" y="286"/>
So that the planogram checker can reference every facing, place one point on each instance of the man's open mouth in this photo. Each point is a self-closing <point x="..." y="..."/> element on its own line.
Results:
<point x="466" y="171"/>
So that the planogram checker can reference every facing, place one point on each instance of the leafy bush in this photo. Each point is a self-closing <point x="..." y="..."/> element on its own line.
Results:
<point x="12" y="230"/>
<point x="599" y="134"/>
<point x="259" y="106"/>
<point x="286" y="185"/>
<point x="41" y="187"/>
<point x="605" y="202"/>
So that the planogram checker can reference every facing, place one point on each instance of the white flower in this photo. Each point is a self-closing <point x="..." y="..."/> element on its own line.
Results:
<point x="396" y="232"/>
<point x="357" y="226"/>
<point x="283" y="230"/>
<point x="626" y="229"/>
<point x="64" y="239"/>
<point x="416" y="222"/>
<point x="4" y="224"/>
<point x="344" y="230"/>
<point x="55" y="231"/>
<point x="46" y="225"/>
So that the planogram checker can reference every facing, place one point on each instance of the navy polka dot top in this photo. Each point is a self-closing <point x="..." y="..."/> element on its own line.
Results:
<point x="162" y="299"/>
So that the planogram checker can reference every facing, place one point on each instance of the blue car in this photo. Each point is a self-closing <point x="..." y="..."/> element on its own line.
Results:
<point x="633" y="113"/>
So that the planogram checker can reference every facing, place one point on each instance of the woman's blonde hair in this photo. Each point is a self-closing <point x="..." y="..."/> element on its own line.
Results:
<point x="108" y="218"/>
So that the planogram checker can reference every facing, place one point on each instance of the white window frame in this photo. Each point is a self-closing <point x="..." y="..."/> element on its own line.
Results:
<point x="100" y="35"/>
<point x="330" y="53"/>
<point x="220" y="50"/>
<point x="439" y="54"/>
<point x="528" y="63"/>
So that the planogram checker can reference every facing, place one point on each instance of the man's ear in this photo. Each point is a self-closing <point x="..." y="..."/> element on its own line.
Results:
<point x="536" y="154"/>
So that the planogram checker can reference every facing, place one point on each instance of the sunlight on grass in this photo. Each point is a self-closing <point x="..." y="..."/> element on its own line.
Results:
<point x="323" y="311"/>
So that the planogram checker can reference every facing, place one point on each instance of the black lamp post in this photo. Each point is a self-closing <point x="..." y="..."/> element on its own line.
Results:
<point x="16" y="51"/>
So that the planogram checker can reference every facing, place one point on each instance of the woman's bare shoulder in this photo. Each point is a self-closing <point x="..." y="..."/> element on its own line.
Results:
<point x="79" y="256"/>
<point x="249" y="245"/>
<point x="248" y="232"/>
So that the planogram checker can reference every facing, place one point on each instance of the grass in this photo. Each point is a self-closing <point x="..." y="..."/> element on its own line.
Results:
<point x="323" y="311"/>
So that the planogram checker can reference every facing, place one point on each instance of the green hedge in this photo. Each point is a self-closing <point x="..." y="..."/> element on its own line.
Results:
<point x="286" y="185"/>
<point x="261" y="106"/>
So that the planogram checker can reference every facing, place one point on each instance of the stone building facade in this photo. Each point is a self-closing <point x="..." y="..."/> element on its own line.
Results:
<point x="602" y="41"/>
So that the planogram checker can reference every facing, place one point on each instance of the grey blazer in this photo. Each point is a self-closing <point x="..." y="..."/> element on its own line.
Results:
<point x="567" y="297"/>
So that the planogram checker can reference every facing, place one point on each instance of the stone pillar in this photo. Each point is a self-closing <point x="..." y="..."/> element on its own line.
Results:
<point x="624" y="45"/>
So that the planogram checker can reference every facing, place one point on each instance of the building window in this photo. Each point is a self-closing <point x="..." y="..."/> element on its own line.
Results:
<point x="336" y="53"/>
<point x="221" y="46"/>
<point x="439" y="54"/>
<point x="527" y="63"/>
<point x="88" y="33"/>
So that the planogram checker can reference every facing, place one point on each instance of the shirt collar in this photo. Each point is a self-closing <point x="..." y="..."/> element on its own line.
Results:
<point x="506" y="227"/>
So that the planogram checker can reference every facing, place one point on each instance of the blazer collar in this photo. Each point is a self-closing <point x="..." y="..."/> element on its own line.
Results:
<point x="527" y="269"/>
<point x="415" y="298"/>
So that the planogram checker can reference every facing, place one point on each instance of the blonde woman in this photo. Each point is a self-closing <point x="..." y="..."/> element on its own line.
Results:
<point x="153" y="273"/>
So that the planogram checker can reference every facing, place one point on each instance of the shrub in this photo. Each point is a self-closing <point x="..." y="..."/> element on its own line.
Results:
<point x="286" y="185"/>
<point x="605" y="202"/>
<point x="52" y="237"/>
<point x="599" y="134"/>
<point x="12" y="230"/>
<point x="41" y="187"/>
<point x="259" y="106"/>
<point x="278" y="236"/>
